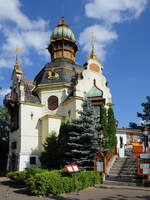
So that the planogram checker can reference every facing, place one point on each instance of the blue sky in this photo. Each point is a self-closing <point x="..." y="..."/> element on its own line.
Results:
<point x="122" y="29"/>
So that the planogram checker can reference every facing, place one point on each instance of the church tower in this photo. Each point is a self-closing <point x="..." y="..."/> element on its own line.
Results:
<point x="55" y="96"/>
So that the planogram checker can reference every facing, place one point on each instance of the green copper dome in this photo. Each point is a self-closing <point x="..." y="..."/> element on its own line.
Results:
<point x="94" y="92"/>
<point x="62" y="31"/>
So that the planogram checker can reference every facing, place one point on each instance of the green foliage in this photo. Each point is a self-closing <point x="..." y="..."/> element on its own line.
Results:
<point x="145" y="116"/>
<point x="111" y="128"/>
<point x="44" y="182"/>
<point x="83" y="142"/>
<point x="53" y="156"/>
<point x="133" y="125"/>
<point x="20" y="177"/>
<point x="4" y="132"/>
<point x="78" y="141"/>
<point x="108" y="127"/>
<point x="50" y="157"/>
<point x="53" y="182"/>
<point x="4" y="123"/>
<point x="62" y="142"/>
<point x="103" y="119"/>
<point x="17" y="177"/>
<point x="104" y="129"/>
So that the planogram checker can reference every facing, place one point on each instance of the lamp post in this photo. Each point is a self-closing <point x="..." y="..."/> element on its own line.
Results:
<point x="100" y="134"/>
<point x="145" y="133"/>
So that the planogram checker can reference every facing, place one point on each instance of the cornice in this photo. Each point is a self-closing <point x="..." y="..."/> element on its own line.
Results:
<point x="61" y="68"/>
<point x="71" y="100"/>
<point x="31" y="104"/>
<point x="55" y="85"/>
<point x="129" y="131"/>
<point x="47" y="116"/>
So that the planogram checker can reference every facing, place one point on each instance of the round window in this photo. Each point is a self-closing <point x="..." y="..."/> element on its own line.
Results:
<point x="52" y="102"/>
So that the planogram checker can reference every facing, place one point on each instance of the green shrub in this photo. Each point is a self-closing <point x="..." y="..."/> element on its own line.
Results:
<point x="16" y="177"/>
<point x="20" y="177"/>
<point x="44" y="182"/>
<point x="55" y="182"/>
<point x="48" y="182"/>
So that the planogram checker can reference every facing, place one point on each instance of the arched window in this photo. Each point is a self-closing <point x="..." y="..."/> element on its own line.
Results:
<point x="52" y="102"/>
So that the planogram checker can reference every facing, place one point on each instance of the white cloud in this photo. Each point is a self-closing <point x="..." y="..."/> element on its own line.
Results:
<point x="30" y="35"/>
<point x="115" y="11"/>
<point x="10" y="10"/>
<point x="28" y="41"/>
<point x="25" y="39"/>
<point x="3" y="92"/>
<point x="108" y="12"/>
<point x="104" y="36"/>
<point x="7" y="61"/>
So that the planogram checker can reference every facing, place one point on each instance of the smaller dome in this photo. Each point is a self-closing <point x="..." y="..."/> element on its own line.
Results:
<point x="94" y="92"/>
<point x="62" y="31"/>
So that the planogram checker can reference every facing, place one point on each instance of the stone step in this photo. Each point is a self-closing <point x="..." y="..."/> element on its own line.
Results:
<point x="126" y="161"/>
<point x="124" y="172"/>
<point x="124" y="178"/>
<point x="108" y="182"/>
<point x="124" y="168"/>
<point x="125" y="164"/>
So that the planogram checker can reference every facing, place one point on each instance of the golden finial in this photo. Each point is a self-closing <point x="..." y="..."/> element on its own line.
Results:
<point x="93" y="46"/>
<point x="17" y="52"/>
<point x="17" y="66"/>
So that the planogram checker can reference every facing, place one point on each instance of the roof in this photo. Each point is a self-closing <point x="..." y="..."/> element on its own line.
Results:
<point x="30" y="96"/>
<point x="62" y="31"/>
<point x="94" y="92"/>
<point x="66" y="71"/>
<point x="128" y="131"/>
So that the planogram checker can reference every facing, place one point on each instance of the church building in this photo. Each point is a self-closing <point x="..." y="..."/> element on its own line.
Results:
<point x="55" y="96"/>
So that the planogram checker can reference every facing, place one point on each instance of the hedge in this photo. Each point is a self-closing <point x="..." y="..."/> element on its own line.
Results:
<point x="20" y="177"/>
<point x="44" y="182"/>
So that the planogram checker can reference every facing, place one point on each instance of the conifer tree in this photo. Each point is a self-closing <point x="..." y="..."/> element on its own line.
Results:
<point x="62" y="142"/>
<point x="83" y="140"/>
<point x="104" y="129"/>
<point x="112" y="128"/>
<point x="50" y="158"/>
<point x="145" y="116"/>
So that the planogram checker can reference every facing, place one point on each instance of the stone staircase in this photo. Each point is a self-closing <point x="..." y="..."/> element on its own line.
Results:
<point x="124" y="172"/>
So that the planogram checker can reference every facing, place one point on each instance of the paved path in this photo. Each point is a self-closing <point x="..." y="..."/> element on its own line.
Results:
<point x="9" y="192"/>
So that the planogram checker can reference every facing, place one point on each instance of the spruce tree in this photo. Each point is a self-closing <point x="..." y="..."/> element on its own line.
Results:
<point x="111" y="128"/>
<point x="83" y="140"/>
<point x="145" y="116"/>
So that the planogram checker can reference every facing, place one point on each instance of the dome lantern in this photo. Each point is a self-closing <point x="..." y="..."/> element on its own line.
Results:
<point x="63" y="43"/>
